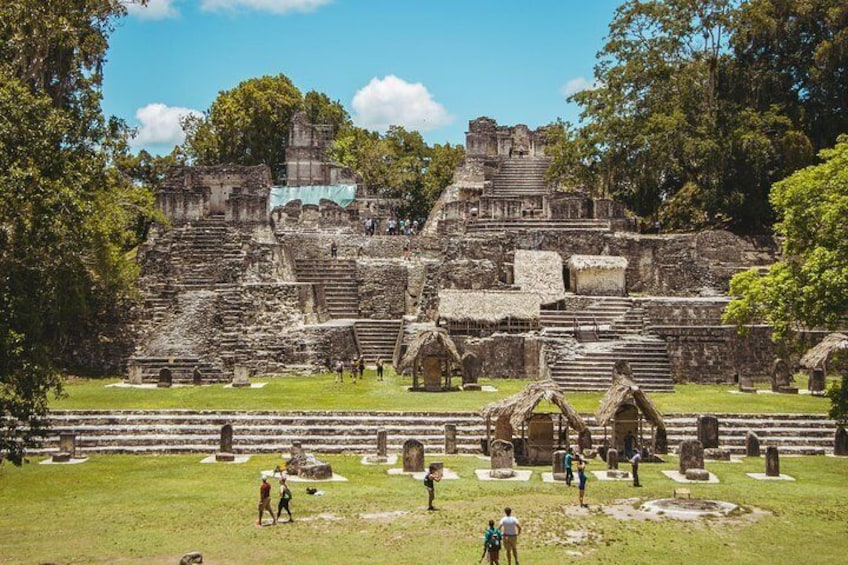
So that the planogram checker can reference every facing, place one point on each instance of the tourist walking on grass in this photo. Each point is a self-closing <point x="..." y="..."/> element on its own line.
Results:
<point x="634" y="466"/>
<point x="264" y="500"/>
<point x="569" y="461"/>
<point x="379" y="368"/>
<point x="510" y="529"/>
<point x="432" y="477"/>
<point x="492" y="544"/>
<point x="354" y="367"/>
<point x="582" y="478"/>
<point x="285" y="497"/>
<point x="339" y="371"/>
<point x="361" y="367"/>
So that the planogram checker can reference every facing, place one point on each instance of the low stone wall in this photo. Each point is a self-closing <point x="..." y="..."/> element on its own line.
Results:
<point x="717" y="354"/>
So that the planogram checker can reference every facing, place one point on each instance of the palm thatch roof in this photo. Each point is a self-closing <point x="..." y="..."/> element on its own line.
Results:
<point x="625" y="390"/>
<point x="602" y="262"/>
<point x="519" y="407"/>
<point x="539" y="272"/>
<point x="427" y="341"/>
<point x="819" y="355"/>
<point x="487" y="305"/>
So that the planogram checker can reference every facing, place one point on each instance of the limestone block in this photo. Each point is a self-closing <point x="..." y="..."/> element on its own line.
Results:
<point x="717" y="454"/>
<point x="502" y="454"/>
<point x="691" y="453"/>
<point x="840" y="441"/>
<point x="316" y="471"/>
<point x="708" y="431"/>
<point x="752" y="444"/>
<point x="772" y="462"/>
<point x="450" y="439"/>
<point x="697" y="474"/>
<point x="413" y="456"/>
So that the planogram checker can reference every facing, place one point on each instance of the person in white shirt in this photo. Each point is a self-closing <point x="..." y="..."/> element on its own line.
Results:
<point x="510" y="528"/>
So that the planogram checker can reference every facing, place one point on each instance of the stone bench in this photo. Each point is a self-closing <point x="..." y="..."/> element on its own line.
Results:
<point x="681" y="492"/>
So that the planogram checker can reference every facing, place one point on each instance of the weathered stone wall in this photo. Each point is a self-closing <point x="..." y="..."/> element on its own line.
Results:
<point x="191" y="193"/>
<point x="666" y="265"/>
<point x="512" y="356"/>
<point x="382" y="288"/>
<point x="716" y="354"/>
<point x="661" y="311"/>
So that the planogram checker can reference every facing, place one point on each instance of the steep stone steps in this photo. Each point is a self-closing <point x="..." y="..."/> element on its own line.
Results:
<point x="185" y="431"/>
<point x="592" y="371"/>
<point x="523" y="176"/>
<point x="377" y="338"/>
<point x="338" y="277"/>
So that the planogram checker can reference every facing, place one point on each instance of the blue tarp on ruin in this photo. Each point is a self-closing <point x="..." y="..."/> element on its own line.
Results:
<point x="341" y="194"/>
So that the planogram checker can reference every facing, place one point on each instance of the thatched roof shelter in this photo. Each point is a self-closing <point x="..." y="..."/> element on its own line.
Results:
<point x="598" y="262"/>
<point x="427" y="341"/>
<point x="487" y="305"/>
<point x="819" y="355"/>
<point x="432" y="343"/>
<point x="622" y="391"/>
<point x="519" y="407"/>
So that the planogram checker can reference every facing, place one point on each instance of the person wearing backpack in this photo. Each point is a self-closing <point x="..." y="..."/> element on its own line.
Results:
<point x="285" y="497"/>
<point x="492" y="544"/>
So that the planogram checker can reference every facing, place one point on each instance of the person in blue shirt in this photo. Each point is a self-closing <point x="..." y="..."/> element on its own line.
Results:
<point x="569" y="459"/>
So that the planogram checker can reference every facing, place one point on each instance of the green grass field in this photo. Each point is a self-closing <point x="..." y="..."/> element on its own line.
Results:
<point x="131" y="509"/>
<point x="321" y="393"/>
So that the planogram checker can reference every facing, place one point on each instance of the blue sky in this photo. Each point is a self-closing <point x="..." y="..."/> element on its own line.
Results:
<point x="430" y="65"/>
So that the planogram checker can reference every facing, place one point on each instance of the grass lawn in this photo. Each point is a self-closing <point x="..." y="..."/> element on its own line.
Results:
<point x="321" y="393"/>
<point x="134" y="509"/>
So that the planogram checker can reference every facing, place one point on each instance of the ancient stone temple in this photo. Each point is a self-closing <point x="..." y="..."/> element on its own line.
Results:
<point x="233" y="279"/>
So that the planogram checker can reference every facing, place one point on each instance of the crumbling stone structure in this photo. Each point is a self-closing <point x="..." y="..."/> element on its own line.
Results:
<point x="307" y="163"/>
<point x="230" y="282"/>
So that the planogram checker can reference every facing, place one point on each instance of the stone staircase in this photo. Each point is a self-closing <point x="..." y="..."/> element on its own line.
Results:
<point x="206" y="252"/>
<point x="521" y="177"/>
<point x="604" y="318"/>
<point x="186" y="431"/>
<point x="377" y="338"/>
<point x="796" y="434"/>
<point x="338" y="278"/>
<point x="592" y="371"/>
<point x="536" y="224"/>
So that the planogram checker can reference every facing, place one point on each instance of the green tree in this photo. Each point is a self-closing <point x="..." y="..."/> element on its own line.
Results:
<point x="672" y="128"/>
<point x="249" y="124"/>
<point x="444" y="160"/>
<point x="809" y="286"/>
<point x="66" y="213"/>
<point x="838" y="395"/>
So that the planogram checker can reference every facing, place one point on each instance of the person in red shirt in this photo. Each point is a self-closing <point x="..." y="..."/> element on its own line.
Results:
<point x="265" y="501"/>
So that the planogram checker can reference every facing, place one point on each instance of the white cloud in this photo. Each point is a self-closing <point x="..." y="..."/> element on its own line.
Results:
<point x="160" y="124"/>
<point x="273" y="6"/>
<point x="393" y="101"/>
<point x="575" y="85"/>
<point x="155" y="10"/>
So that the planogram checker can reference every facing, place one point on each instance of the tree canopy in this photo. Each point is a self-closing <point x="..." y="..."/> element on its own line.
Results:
<point x="249" y="124"/>
<point x="698" y="107"/>
<point x="399" y="164"/>
<point x="68" y="216"/>
<point x="808" y="287"/>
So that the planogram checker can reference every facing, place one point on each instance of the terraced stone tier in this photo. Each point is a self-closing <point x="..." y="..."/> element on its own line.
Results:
<point x="185" y="431"/>
<point x="377" y="338"/>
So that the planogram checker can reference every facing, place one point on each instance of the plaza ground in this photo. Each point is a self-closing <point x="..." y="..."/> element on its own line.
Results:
<point x="132" y="509"/>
